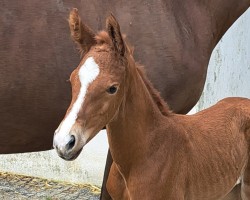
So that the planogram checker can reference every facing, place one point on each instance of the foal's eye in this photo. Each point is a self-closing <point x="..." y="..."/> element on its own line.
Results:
<point x="112" y="89"/>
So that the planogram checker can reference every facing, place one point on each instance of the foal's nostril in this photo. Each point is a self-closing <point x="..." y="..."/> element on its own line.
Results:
<point x="71" y="143"/>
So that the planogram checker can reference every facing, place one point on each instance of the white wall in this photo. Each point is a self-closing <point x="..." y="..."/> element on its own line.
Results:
<point x="228" y="75"/>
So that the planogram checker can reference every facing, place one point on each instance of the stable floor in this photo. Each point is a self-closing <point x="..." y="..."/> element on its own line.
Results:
<point x="17" y="187"/>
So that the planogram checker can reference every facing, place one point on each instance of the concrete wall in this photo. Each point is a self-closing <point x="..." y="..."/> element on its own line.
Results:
<point x="228" y="75"/>
<point x="87" y="168"/>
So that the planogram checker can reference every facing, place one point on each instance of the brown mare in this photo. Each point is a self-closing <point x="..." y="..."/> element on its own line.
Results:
<point x="157" y="154"/>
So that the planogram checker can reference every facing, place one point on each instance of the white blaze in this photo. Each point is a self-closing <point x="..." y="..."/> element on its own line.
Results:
<point x="87" y="74"/>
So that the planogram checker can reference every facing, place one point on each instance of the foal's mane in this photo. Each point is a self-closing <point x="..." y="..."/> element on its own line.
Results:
<point x="103" y="38"/>
<point x="161" y="104"/>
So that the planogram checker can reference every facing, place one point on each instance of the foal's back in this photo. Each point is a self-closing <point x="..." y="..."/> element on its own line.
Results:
<point x="217" y="147"/>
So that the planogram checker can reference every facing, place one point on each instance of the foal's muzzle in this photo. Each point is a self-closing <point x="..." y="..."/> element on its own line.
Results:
<point x="66" y="150"/>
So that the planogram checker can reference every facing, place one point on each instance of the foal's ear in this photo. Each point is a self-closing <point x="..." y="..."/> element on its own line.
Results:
<point x="113" y="29"/>
<point x="82" y="35"/>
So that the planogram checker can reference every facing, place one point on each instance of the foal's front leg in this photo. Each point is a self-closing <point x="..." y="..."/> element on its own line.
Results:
<point x="116" y="185"/>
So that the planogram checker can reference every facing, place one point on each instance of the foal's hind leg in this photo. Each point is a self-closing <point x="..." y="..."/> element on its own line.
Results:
<point x="245" y="185"/>
<point x="234" y="194"/>
<point x="245" y="182"/>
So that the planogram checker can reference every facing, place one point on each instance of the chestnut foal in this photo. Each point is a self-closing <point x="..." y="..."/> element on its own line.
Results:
<point x="157" y="154"/>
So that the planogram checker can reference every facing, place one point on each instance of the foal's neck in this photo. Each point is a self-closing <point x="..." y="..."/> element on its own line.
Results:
<point x="131" y="131"/>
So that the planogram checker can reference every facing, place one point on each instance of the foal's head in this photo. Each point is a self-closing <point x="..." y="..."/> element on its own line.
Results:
<point x="97" y="85"/>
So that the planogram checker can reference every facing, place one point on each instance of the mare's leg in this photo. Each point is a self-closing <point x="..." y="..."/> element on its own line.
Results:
<point x="234" y="194"/>
<point x="116" y="185"/>
<point x="104" y="192"/>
